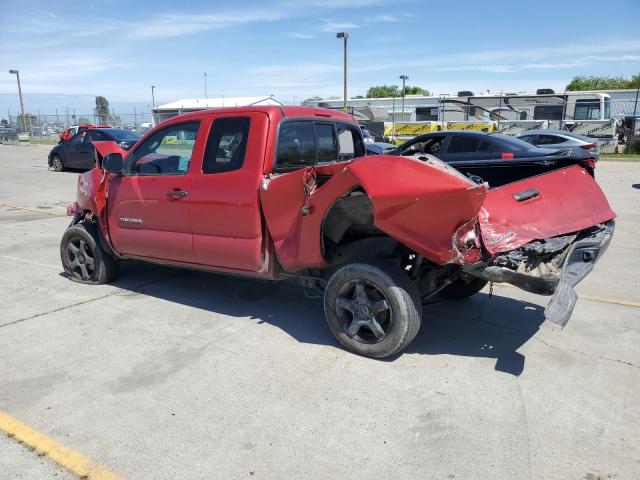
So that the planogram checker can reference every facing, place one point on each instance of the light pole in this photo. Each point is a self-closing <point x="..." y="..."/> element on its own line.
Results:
<point x="24" y="123"/>
<point x="404" y="78"/>
<point x="205" y="85"/>
<point x="153" y="97"/>
<point x="345" y="36"/>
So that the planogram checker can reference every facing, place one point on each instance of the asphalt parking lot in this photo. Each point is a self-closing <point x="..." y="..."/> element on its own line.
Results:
<point x="176" y="374"/>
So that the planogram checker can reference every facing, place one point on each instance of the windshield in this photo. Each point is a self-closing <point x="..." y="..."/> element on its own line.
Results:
<point x="120" y="135"/>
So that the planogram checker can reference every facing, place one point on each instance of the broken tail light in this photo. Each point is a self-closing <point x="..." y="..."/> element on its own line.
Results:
<point x="466" y="236"/>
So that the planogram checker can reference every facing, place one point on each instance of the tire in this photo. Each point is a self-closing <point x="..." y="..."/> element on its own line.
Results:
<point x="463" y="289"/>
<point x="56" y="163"/>
<point x="83" y="259"/>
<point x="373" y="309"/>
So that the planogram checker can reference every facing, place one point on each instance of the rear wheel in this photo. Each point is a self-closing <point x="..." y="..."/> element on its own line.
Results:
<point x="84" y="260"/>
<point x="56" y="163"/>
<point x="463" y="288"/>
<point x="373" y="309"/>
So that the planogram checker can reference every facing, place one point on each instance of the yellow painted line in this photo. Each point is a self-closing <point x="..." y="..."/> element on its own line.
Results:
<point x="614" y="301"/>
<point x="73" y="461"/>
<point x="37" y="210"/>
<point x="626" y="303"/>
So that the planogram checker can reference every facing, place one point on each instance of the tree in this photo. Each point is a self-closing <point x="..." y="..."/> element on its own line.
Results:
<point x="29" y="119"/>
<point x="84" y="121"/>
<point x="381" y="91"/>
<point x="4" y="122"/>
<point x="102" y="109"/>
<point x="315" y="98"/>
<point x="594" y="82"/>
<point x="416" y="91"/>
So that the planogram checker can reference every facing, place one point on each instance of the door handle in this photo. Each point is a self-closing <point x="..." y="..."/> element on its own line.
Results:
<point x="176" y="194"/>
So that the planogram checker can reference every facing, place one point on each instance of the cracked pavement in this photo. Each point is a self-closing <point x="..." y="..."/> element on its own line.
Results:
<point x="176" y="374"/>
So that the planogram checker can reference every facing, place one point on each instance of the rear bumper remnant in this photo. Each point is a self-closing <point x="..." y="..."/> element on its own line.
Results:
<point x="550" y="267"/>
<point x="580" y="260"/>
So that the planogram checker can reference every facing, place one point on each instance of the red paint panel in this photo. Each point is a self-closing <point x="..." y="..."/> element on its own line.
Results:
<point x="420" y="204"/>
<point x="296" y="237"/>
<point x="225" y="208"/>
<point x="569" y="200"/>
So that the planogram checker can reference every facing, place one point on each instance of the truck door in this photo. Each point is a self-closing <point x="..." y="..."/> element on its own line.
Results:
<point x="148" y="207"/>
<point x="225" y="208"/>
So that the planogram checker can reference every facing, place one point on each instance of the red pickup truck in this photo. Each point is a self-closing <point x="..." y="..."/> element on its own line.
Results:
<point x="281" y="192"/>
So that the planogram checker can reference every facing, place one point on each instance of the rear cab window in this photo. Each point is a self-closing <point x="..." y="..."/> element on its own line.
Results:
<point x="305" y="143"/>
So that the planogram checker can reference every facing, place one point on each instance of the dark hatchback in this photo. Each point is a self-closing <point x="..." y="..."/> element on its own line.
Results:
<point x="79" y="152"/>
<point x="493" y="157"/>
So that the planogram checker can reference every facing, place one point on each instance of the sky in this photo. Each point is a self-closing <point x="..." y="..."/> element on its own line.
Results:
<point x="69" y="52"/>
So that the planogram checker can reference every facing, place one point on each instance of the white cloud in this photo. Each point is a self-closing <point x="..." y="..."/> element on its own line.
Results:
<point x="337" y="26"/>
<point x="303" y="36"/>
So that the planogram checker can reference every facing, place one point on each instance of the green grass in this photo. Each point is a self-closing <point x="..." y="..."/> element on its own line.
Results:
<point x="629" y="157"/>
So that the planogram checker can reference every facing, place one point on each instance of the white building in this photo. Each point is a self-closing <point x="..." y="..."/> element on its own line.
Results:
<point x="168" y="110"/>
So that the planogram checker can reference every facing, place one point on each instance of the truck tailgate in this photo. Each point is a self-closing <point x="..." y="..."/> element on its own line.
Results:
<point x="548" y="205"/>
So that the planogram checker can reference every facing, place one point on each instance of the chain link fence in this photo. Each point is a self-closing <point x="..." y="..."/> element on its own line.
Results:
<point x="611" y="118"/>
<point x="47" y="128"/>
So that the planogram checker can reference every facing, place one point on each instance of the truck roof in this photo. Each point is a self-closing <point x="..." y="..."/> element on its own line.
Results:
<point x="274" y="110"/>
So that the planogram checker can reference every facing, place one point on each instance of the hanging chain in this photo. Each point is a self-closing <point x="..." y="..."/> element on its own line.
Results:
<point x="490" y="290"/>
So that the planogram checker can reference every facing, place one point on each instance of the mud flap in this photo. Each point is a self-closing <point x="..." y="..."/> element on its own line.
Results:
<point x="579" y="262"/>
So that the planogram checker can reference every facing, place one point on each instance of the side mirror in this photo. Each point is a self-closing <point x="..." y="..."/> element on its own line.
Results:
<point x="113" y="163"/>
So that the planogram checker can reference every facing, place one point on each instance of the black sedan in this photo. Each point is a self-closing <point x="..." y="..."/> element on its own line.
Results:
<point x="79" y="152"/>
<point x="493" y="157"/>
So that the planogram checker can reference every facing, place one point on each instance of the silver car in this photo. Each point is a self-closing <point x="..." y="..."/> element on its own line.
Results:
<point x="580" y="145"/>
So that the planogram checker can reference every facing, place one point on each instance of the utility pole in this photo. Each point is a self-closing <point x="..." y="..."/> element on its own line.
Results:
<point x="393" y="119"/>
<point x="500" y="110"/>
<point x="404" y="78"/>
<point x="24" y="122"/>
<point x="635" y="110"/>
<point x="153" y="97"/>
<point x="345" y="36"/>
<point x="205" y="85"/>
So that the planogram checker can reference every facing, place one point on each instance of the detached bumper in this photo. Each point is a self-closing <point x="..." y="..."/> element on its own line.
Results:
<point x="582" y="256"/>
<point x="550" y="267"/>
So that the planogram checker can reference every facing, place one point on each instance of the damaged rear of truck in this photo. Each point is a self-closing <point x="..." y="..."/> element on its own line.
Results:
<point x="379" y="235"/>
<point x="379" y="221"/>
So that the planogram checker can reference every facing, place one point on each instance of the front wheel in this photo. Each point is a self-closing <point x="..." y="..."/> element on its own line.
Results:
<point x="373" y="309"/>
<point x="83" y="259"/>
<point x="56" y="163"/>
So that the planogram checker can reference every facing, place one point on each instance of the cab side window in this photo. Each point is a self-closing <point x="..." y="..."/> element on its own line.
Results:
<point x="296" y="145"/>
<point x="226" y="145"/>
<point x="166" y="152"/>
<point x="308" y="143"/>
<point x="350" y="144"/>
<point x="326" y="143"/>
